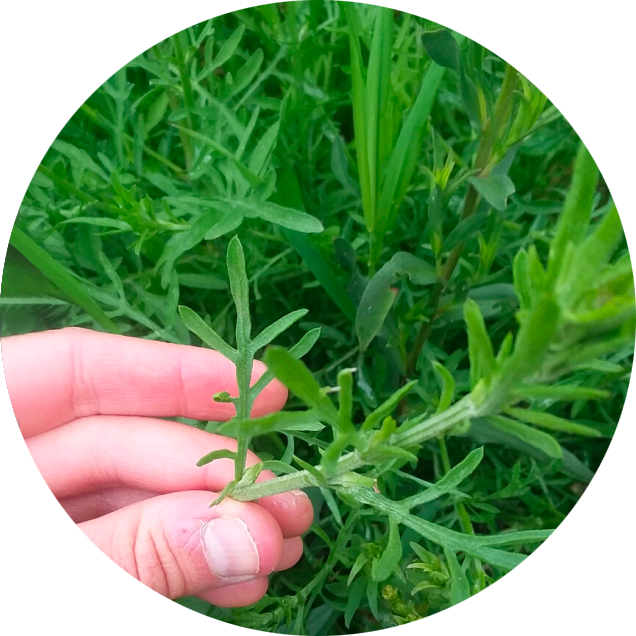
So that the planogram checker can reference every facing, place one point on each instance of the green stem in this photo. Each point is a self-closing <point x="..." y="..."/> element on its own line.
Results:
<point x="483" y="163"/>
<point x="444" y="453"/>
<point x="419" y="431"/>
<point x="243" y="407"/>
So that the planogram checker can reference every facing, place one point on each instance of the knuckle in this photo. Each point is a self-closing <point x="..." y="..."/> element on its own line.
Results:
<point x="155" y="564"/>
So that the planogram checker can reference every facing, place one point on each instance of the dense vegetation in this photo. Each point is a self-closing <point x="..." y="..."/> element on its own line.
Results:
<point x="469" y="295"/>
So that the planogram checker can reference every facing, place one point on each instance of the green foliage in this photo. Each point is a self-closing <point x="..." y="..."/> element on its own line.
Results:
<point x="469" y="321"/>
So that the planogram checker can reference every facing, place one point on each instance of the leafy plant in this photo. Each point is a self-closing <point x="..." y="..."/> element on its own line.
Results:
<point x="551" y="342"/>
<point x="243" y="357"/>
<point x="454" y="246"/>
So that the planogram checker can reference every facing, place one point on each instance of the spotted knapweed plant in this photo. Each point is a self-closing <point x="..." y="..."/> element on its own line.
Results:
<point x="573" y="309"/>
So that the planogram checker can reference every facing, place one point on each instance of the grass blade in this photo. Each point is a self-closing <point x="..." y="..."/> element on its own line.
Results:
<point x="60" y="277"/>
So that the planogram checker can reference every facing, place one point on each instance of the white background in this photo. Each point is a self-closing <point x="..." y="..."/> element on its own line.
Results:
<point x="55" y="54"/>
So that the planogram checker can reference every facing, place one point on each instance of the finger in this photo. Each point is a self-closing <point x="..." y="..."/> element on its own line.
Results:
<point x="238" y="595"/>
<point x="178" y="545"/>
<point x="102" y="502"/>
<point x="57" y="376"/>
<point x="292" y="552"/>
<point x="152" y="455"/>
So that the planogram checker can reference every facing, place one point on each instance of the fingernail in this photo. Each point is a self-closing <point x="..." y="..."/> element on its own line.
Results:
<point x="230" y="549"/>
<point x="299" y="493"/>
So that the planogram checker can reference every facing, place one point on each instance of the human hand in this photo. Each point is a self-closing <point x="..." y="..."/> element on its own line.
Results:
<point x="86" y="402"/>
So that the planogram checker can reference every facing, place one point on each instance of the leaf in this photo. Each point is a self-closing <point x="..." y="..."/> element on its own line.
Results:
<point x="484" y="433"/>
<point x="332" y="505"/>
<point x="482" y="358"/>
<point x="532" y="342"/>
<point x="575" y="216"/>
<point x="300" y="349"/>
<point x="226" y="51"/>
<point x="80" y="160"/>
<point x="345" y="400"/>
<point x="465" y="229"/>
<point x="305" y="344"/>
<point x="298" y="379"/>
<point x="358" y="98"/>
<point x="320" y="619"/>
<point x="387" y="407"/>
<point x="312" y="470"/>
<point x="210" y="225"/>
<point x="495" y="188"/>
<point x="480" y="547"/>
<point x="383" y="567"/>
<point x="378" y="296"/>
<point x="253" y="179"/>
<point x="384" y="452"/>
<point x="71" y="288"/>
<point x="591" y="256"/>
<point x="334" y="451"/>
<point x="246" y="73"/>
<point x="98" y="221"/>
<point x="289" y="194"/>
<point x="209" y="281"/>
<point x="273" y="213"/>
<point x="223" y="453"/>
<point x="442" y="48"/>
<point x="275" y="329"/>
<point x="280" y="422"/>
<point x="263" y="150"/>
<point x="354" y="599"/>
<point x="544" y="442"/>
<point x="376" y="96"/>
<point x="521" y="280"/>
<point x="459" y="587"/>
<point x="157" y="111"/>
<point x="250" y="476"/>
<point x="278" y="466"/>
<point x="375" y="304"/>
<point x="449" y="482"/>
<point x="361" y="560"/>
<point x="561" y="392"/>
<point x="405" y="154"/>
<point x="239" y="288"/>
<point x="547" y="420"/>
<point x="200" y="328"/>
<point x="447" y="384"/>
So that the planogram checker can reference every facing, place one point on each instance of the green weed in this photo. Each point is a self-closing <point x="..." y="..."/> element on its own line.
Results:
<point x="404" y="211"/>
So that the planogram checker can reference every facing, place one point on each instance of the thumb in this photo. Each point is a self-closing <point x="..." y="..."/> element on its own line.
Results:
<point x="179" y="546"/>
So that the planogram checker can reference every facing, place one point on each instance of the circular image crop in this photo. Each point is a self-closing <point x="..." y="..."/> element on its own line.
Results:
<point x="317" y="318"/>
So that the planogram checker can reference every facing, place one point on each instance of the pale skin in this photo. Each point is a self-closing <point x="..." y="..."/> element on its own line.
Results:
<point x="87" y="404"/>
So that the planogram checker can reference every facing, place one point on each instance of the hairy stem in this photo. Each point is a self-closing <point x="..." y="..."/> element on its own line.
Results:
<point x="419" y="430"/>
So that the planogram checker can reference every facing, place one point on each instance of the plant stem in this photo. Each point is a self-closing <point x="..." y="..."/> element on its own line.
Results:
<point x="419" y="430"/>
<point x="243" y="408"/>
<point x="483" y="163"/>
